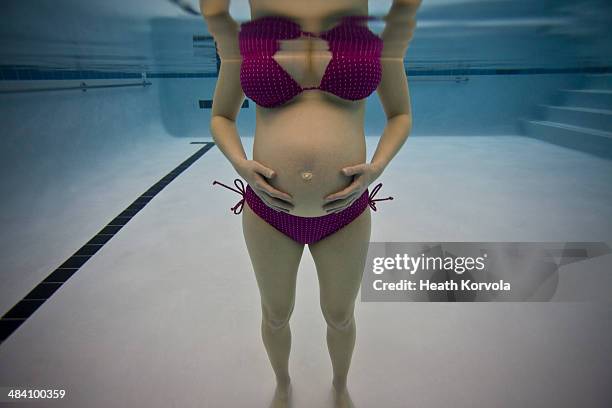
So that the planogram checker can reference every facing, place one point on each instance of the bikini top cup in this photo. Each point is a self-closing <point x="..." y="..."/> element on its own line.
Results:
<point x="353" y="72"/>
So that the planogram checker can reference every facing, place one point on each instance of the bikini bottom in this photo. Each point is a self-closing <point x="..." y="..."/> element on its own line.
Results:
<point x="305" y="230"/>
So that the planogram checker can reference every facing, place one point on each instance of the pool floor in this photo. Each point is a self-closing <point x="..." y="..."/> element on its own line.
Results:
<point x="166" y="313"/>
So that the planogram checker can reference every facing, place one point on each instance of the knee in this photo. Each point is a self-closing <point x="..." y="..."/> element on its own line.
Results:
<point x="276" y="320"/>
<point x="276" y="324"/>
<point x="339" y="319"/>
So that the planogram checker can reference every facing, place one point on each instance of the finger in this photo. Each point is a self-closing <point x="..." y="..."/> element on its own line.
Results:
<point x="279" y="200"/>
<point x="352" y="170"/>
<point x="262" y="185"/>
<point x="350" y="189"/>
<point x="339" y="209"/>
<point x="275" y="203"/>
<point x="263" y="170"/>
<point x="340" y="204"/>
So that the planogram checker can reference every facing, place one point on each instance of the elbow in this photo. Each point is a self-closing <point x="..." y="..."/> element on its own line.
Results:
<point x="408" y="123"/>
<point x="215" y="124"/>
<point x="220" y="120"/>
<point x="218" y="123"/>
<point x="403" y="121"/>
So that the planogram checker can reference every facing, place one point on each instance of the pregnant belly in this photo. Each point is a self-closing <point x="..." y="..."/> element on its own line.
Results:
<point x="308" y="159"/>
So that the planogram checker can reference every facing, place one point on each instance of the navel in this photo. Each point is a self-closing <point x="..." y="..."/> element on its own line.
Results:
<point x="306" y="175"/>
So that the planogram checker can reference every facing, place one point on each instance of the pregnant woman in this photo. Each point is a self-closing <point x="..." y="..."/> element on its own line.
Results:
<point x="308" y="66"/>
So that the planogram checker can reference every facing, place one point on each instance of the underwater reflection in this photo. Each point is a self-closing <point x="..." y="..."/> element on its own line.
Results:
<point x="395" y="29"/>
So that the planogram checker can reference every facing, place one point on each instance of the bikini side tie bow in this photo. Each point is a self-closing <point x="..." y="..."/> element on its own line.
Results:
<point x="237" y="209"/>
<point x="372" y="201"/>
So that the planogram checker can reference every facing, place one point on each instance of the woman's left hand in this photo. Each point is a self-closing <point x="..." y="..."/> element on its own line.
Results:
<point x="363" y="175"/>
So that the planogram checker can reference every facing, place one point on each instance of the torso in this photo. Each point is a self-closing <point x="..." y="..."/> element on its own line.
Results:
<point x="310" y="139"/>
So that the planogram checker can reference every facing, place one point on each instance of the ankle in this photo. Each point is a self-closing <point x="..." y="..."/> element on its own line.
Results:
<point x="339" y="383"/>
<point x="283" y="380"/>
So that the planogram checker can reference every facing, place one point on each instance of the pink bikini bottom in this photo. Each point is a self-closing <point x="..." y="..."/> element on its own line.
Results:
<point x="305" y="230"/>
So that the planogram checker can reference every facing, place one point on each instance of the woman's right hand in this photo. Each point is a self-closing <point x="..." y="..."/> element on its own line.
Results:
<point x="257" y="175"/>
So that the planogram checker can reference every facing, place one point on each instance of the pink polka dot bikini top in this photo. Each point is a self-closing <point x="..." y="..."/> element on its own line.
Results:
<point x="353" y="73"/>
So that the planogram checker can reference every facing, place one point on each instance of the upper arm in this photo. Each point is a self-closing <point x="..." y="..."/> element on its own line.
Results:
<point x="213" y="7"/>
<point x="228" y="95"/>
<point x="393" y="88"/>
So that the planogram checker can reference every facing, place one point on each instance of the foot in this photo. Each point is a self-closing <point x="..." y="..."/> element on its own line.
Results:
<point x="341" y="396"/>
<point x="282" y="395"/>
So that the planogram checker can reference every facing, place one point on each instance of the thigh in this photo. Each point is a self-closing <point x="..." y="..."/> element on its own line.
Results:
<point x="340" y="259"/>
<point x="275" y="258"/>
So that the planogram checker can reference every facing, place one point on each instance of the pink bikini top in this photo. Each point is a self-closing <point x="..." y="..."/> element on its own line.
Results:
<point x="353" y="73"/>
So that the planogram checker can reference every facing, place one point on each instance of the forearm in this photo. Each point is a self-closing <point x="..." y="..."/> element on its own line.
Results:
<point x="225" y="135"/>
<point x="396" y="132"/>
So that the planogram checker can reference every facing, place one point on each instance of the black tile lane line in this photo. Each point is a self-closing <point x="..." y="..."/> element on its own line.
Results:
<point x="43" y="291"/>
<point x="207" y="104"/>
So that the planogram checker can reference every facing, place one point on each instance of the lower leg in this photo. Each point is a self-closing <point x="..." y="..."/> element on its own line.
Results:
<point x="341" y="343"/>
<point x="277" y="341"/>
